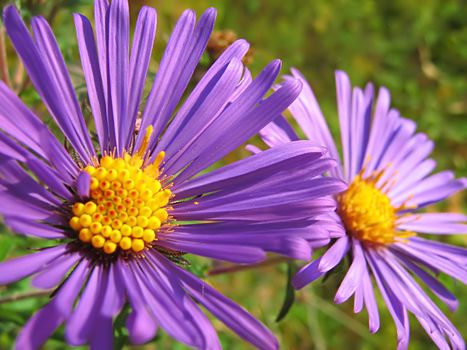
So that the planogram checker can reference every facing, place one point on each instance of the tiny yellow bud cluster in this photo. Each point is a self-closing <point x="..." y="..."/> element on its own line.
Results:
<point x="126" y="206"/>
<point x="367" y="212"/>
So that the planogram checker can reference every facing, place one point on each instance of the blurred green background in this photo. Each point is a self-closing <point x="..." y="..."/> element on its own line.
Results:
<point x="418" y="49"/>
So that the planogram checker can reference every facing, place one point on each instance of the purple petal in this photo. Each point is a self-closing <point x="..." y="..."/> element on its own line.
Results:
<point x="307" y="274"/>
<point x="40" y="327"/>
<point x="118" y="69"/>
<point x="233" y="316"/>
<point x="226" y="252"/>
<point x="114" y="297"/>
<point x="379" y="127"/>
<point x="19" y="268"/>
<point x="31" y="131"/>
<point x="308" y="115"/>
<point x="334" y="254"/>
<point x="177" y="130"/>
<point x="283" y="241"/>
<point x="24" y="205"/>
<point x="79" y="324"/>
<point x="230" y="117"/>
<point x="435" y="223"/>
<point x="68" y="292"/>
<point x="93" y="77"/>
<point x="28" y="227"/>
<point x="395" y="307"/>
<point x="180" y="59"/>
<point x="344" y="104"/>
<point x="52" y="58"/>
<point x="258" y="166"/>
<point x="49" y="177"/>
<point x="278" y="132"/>
<point x="165" y="290"/>
<point x="209" y="104"/>
<point x="447" y="297"/>
<point x="206" y="336"/>
<point x="83" y="184"/>
<point x="102" y="334"/>
<point x="266" y="202"/>
<point x="237" y="125"/>
<point x="55" y="271"/>
<point x="46" y="83"/>
<point x="143" y="42"/>
<point x="353" y="277"/>
<point x="140" y="323"/>
<point x="370" y="302"/>
<point x="101" y="16"/>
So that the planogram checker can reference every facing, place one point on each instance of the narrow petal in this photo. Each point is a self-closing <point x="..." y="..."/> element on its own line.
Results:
<point x="435" y="223"/>
<point x="206" y="109"/>
<point x="396" y="309"/>
<point x="101" y="16"/>
<point x="32" y="228"/>
<point x="278" y="132"/>
<point x="307" y="274"/>
<point x="233" y="316"/>
<point x="79" y="324"/>
<point x="140" y="323"/>
<point x="237" y="128"/>
<point x="353" y="277"/>
<point x="334" y="254"/>
<point x="231" y="116"/>
<point x="52" y="58"/>
<point x="31" y="131"/>
<point x="439" y="289"/>
<point x="55" y="271"/>
<point x="177" y="129"/>
<point x="180" y="59"/>
<point x="242" y="254"/>
<point x="15" y="269"/>
<point x="118" y="63"/>
<point x="40" y="327"/>
<point x="344" y="103"/>
<point x="260" y="165"/>
<point x="308" y="115"/>
<point x="93" y="76"/>
<point x="194" y="323"/>
<point x="83" y="184"/>
<point x="143" y="42"/>
<point x="43" y="78"/>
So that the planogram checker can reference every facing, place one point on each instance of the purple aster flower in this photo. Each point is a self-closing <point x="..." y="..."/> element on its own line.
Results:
<point x="122" y="208"/>
<point x="387" y="169"/>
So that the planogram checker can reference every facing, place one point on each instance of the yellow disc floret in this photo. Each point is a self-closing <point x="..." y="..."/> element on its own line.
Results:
<point x="127" y="204"/>
<point x="367" y="212"/>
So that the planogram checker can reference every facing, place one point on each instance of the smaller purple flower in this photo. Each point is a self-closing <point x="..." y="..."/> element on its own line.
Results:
<point x="387" y="169"/>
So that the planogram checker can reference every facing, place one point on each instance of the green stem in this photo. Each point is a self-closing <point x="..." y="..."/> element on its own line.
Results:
<point x="26" y="295"/>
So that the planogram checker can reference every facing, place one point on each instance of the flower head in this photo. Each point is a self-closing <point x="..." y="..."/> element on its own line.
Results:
<point x="122" y="208"/>
<point x="387" y="172"/>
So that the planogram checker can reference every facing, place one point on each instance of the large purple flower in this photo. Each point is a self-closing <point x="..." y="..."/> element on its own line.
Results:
<point x="120" y="211"/>
<point x="388" y="174"/>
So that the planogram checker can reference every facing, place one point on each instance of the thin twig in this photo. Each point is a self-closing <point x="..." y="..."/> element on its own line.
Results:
<point x="3" y="60"/>
<point x="236" y="268"/>
<point x="27" y="295"/>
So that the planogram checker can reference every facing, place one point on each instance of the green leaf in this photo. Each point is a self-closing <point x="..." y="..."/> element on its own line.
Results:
<point x="289" y="292"/>
<point x="6" y="245"/>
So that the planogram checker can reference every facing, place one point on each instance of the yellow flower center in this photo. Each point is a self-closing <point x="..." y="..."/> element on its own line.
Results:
<point x="127" y="203"/>
<point x="367" y="212"/>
